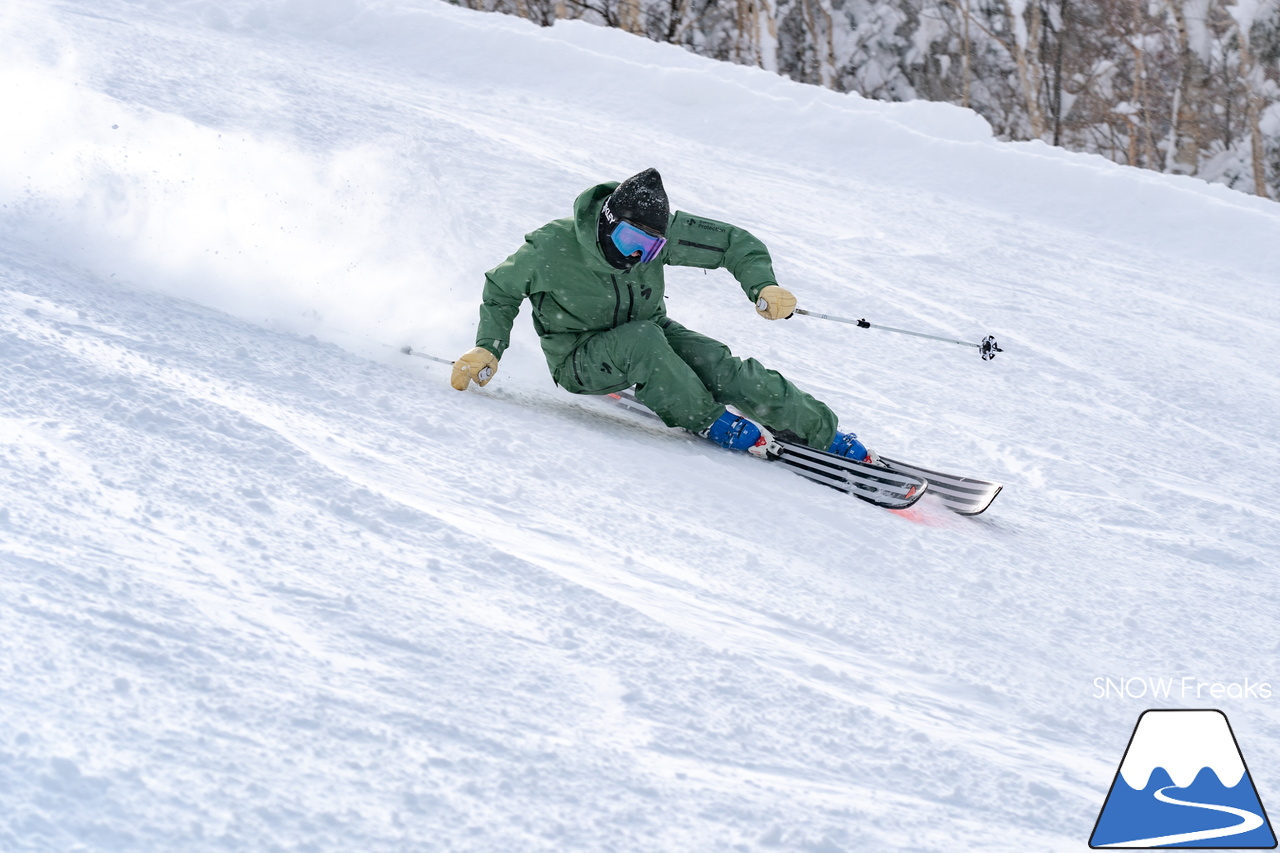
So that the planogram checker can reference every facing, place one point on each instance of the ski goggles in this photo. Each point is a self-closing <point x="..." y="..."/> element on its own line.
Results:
<point x="631" y="239"/>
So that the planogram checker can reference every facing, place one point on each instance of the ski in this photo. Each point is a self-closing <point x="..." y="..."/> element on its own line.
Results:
<point x="883" y="487"/>
<point x="962" y="495"/>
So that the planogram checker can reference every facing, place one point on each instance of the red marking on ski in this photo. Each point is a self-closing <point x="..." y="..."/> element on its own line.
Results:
<point x="916" y="515"/>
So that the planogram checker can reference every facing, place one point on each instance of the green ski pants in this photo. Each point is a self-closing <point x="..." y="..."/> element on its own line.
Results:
<point x="688" y="378"/>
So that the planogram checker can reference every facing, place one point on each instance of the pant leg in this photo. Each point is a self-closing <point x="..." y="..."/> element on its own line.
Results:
<point x="639" y="354"/>
<point x="749" y="386"/>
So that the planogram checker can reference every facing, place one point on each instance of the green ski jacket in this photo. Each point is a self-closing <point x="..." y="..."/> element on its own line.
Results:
<point x="576" y="294"/>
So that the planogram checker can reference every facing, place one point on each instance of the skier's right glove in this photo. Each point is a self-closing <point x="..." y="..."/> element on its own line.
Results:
<point x="475" y="365"/>
<point x="775" y="303"/>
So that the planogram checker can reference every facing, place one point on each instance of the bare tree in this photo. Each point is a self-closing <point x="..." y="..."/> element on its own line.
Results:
<point x="1253" y="83"/>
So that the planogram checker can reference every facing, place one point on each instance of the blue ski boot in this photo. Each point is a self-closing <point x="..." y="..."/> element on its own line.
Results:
<point x="846" y="444"/>
<point x="735" y="432"/>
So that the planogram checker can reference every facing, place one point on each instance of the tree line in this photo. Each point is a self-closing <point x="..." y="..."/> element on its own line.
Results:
<point x="1190" y="87"/>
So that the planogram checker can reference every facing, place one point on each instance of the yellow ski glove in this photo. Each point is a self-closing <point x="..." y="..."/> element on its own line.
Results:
<point x="775" y="303"/>
<point x="476" y="365"/>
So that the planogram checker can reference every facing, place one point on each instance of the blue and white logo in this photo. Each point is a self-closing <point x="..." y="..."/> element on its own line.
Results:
<point x="1183" y="783"/>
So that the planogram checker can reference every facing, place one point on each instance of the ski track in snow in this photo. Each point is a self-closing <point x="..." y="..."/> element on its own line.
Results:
<point x="267" y="585"/>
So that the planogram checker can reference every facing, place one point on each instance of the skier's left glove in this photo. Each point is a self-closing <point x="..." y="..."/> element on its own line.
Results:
<point x="476" y="364"/>
<point x="775" y="303"/>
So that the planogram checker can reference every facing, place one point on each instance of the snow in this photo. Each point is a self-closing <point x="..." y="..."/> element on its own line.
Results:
<point x="1245" y="12"/>
<point x="269" y="584"/>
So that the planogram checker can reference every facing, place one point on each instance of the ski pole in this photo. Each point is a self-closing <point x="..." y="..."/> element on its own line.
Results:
<point x="408" y="350"/>
<point x="987" y="347"/>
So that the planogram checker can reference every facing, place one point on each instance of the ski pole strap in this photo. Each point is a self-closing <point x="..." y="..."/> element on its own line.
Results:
<point x="987" y="347"/>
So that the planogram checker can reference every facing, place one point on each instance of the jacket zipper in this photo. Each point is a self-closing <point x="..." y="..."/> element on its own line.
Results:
<point x="617" y="300"/>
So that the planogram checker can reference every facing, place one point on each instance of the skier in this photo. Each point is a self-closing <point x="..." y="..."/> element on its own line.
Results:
<point x="596" y="285"/>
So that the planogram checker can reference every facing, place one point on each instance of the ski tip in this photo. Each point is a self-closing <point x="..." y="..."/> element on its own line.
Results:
<point x="406" y="349"/>
<point x="979" y="508"/>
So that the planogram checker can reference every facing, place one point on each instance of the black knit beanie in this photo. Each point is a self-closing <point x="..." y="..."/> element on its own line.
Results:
<point x="640" y="200"/>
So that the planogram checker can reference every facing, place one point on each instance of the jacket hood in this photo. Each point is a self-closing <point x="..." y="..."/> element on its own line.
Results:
<point x="586" y="218"/>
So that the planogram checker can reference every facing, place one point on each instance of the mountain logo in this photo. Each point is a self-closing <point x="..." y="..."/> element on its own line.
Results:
<point x="1183" y="783"/>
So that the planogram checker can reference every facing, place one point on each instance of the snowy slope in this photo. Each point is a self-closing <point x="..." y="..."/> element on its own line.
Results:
<point x="267" y="586"/>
